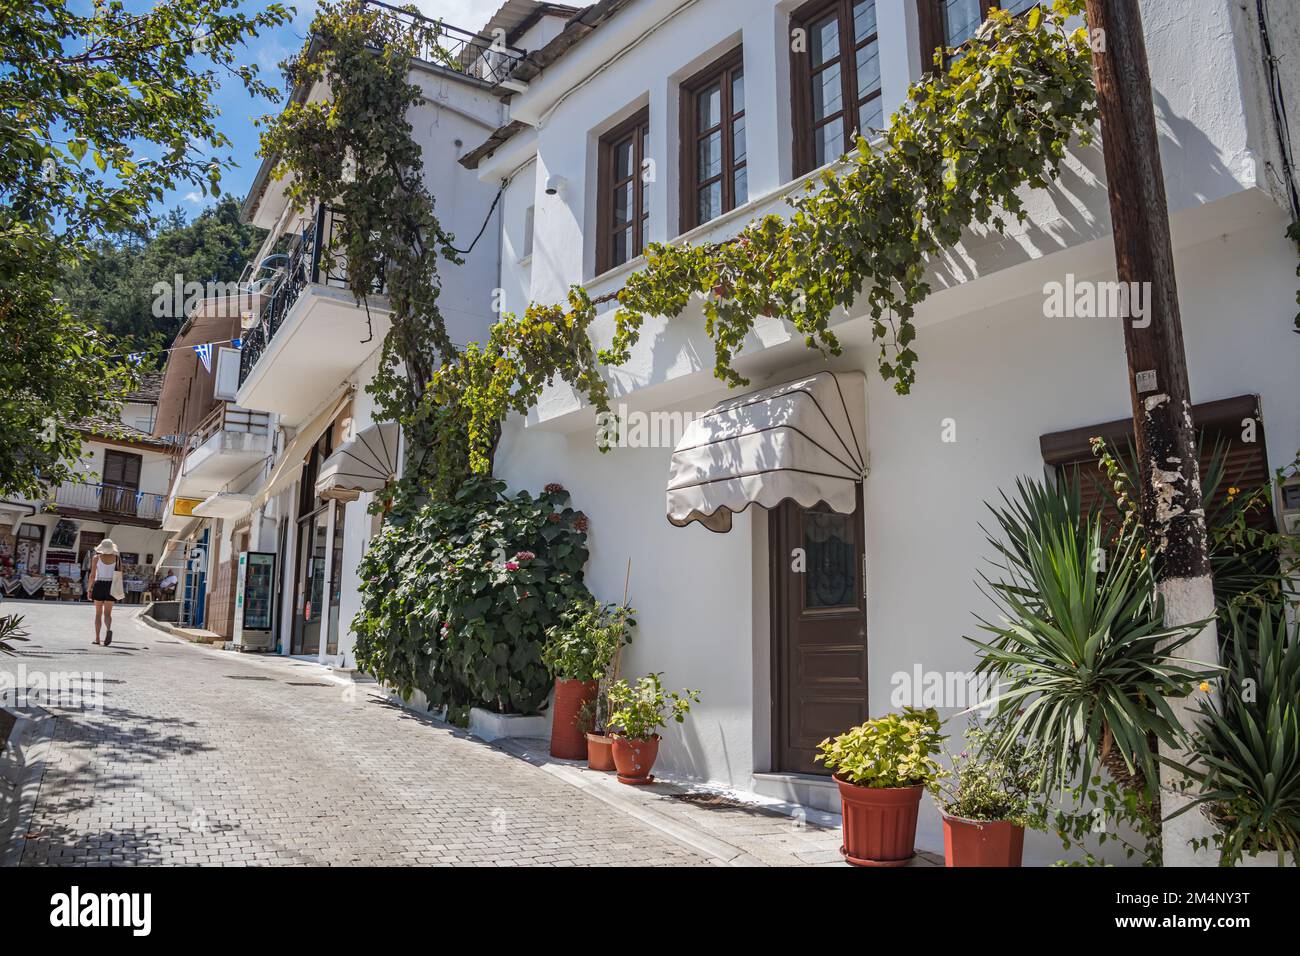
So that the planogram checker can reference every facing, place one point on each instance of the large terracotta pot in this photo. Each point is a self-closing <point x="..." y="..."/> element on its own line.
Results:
<point x="981" y="843"/>
<point x="879" y="823"/>
<point x="600" y="752"/>
<point x="568" y="736"/>
<point x="633" y="759"/>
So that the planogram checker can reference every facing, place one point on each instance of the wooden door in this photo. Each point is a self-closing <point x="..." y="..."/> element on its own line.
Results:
<point x="819" y="629"/>
<point x="121" y="482"/>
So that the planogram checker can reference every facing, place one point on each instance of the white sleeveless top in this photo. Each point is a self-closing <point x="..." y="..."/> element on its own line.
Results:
<point x="104" y="571"/>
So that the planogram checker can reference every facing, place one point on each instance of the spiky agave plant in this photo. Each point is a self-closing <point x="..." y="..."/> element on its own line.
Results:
<point x="11" y="629"/>
<point x="1081" y="655"/>
<point x="1247" y="751"/>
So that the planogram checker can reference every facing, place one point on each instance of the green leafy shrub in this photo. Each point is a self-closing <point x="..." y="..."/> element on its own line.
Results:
<point x="583" y="644"/>
<point x="638" y="710"/>
<point x="993" y="779"/>
<point x="896" y="750"/>
<point x="1247" y="752"/>
<point x="456" y="595"/>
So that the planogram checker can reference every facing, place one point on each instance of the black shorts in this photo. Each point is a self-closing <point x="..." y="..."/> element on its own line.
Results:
<point x="102" y="591"/>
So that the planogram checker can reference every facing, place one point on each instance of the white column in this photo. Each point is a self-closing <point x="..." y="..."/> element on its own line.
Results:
<point x="329" y="584"/>
<point x="900" y="51"/>
<point x="767" y="100"/>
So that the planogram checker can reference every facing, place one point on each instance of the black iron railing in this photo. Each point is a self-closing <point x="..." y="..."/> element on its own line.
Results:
<point x="288" y="275"/>
<point x="486" y="58"/>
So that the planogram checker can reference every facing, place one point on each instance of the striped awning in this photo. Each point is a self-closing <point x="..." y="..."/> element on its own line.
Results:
<point x="802" y="441"/>
<point x="366" y="463"/>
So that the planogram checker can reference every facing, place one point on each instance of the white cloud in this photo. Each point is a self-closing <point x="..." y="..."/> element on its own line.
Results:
<point x="193" y="197"/>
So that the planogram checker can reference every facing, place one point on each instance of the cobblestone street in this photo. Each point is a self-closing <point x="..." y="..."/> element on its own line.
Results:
<point x="206" y="757"/>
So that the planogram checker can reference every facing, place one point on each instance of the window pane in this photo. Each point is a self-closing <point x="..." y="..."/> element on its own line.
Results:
<point x="622" y="238"/>
<point x="709" y="107"/>
<point x="742" y="186"/>
<point x="738" y="90"/>
<point x="824" y="40"/>
<point x="710" y="205"/>
<point x="709" y="157"/>
<point x="827" y="93"/>
<point x="864" y="20"/>
<point x="623" y="160"/>
<point x="645" y="232"/>
<point x="623" y="203"/>
<point x="831" y="577"/>
<point x="829" y="142"/>
<point x="960" y="20"/>
<point x="1016" y="6"/>
<point x="868" y="59"/>
<point x="738" y="141"/>
<point x="871" y="117"/>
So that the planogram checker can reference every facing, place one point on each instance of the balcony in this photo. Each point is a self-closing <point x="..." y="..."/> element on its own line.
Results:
<point x="307" y="332"/>
<point x="229" y="442"/>
<point x="111" y="504"/>
<point x="459" y="50"/>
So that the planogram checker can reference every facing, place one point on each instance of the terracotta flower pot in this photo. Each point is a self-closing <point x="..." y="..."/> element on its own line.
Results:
<point x="568" y="735"/>
<point x="633" y="759"/>
<point x="600" y="752"/>
<point x="879" y="823"/>
<point x="981" y="843"/>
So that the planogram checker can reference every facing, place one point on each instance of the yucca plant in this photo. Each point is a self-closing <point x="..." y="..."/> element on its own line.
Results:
<point x="11" y="629"/>
<point x="1081" y="655"/>
<point x="1247" y="752"/>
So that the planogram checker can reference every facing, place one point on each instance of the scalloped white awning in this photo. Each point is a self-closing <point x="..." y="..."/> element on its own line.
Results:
<point x="366" y="463"/>
<point x="803" y="441"/>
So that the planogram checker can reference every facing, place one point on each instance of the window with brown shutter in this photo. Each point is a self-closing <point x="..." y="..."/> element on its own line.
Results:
<point x="715" y="175"/>
<point x="1222" y="428"/>
<point x="835" y="80"/>
<point x="122" y="469"/>
<point x="622" y="208"/>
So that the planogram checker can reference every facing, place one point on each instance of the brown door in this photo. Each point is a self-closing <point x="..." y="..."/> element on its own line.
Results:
<point x="121" y="482"/>
<point x="819" y="646"/>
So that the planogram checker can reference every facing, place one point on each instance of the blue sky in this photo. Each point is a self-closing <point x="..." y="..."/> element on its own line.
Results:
<point x="239" y="110"/>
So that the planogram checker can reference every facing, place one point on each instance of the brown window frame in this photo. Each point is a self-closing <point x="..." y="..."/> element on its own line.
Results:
<point x="801" y="81"/>
<point x="637" y="127"/>
<point x="721" y="71"/>
<point x="932" y="30"/>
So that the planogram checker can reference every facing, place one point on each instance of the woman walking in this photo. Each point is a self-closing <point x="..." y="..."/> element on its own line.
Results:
<point x="103" y="570"/>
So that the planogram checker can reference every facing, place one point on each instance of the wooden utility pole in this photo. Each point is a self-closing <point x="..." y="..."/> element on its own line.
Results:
<point x="1170" y="494"/>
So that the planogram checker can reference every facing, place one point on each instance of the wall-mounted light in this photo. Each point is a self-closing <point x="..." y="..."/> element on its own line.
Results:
<point x="555" y="185"/>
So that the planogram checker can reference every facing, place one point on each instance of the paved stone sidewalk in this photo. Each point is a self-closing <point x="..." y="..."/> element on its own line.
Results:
<point x="207" y="757"/>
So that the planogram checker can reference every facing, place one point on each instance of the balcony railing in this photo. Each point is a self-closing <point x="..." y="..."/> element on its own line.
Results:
<point x="482" y="57"/>
<point x="112" y="501"/>
<point x="229" y="418"/>
<point x="280" y="279"/>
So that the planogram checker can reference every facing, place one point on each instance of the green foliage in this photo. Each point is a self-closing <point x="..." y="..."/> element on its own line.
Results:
<point x="993" y="778"/>
<point x="1082" y="656"/>
<point x="458" y="595"/>
<point x="1247" y="751"/>
<point x="87" y="91"/>
<point x="583" y="644"/>
<point x="1249" y="563"/>
<point x="956" y="155"/>
<point x="11" y="632"/>
<point x="637" y="711"/>
<point x="896" y="750"/>
<point x="114" y="286"/>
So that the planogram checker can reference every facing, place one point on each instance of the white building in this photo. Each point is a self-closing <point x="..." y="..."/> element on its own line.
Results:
<point x="308" y="349"/>
<point x="118" y="490"/>
<point x="1002" y="391"/>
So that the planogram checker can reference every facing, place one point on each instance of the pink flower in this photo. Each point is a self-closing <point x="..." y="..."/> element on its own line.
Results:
<point x="580" y="523"/>
<point x="512" y="566"/>
<point x="525" y="556"/>
<point x="554" y="488"/>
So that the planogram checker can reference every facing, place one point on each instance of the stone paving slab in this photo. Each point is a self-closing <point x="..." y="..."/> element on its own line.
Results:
<point x="202" y="757"/>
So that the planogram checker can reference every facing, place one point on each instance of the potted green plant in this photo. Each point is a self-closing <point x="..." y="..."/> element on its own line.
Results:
<point x="637" y="711"/>
<point x="1246" y="749"/>
<point x="578" y="652"/>
<point x="882" y="768"/>
<point x="989" y="798"/>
